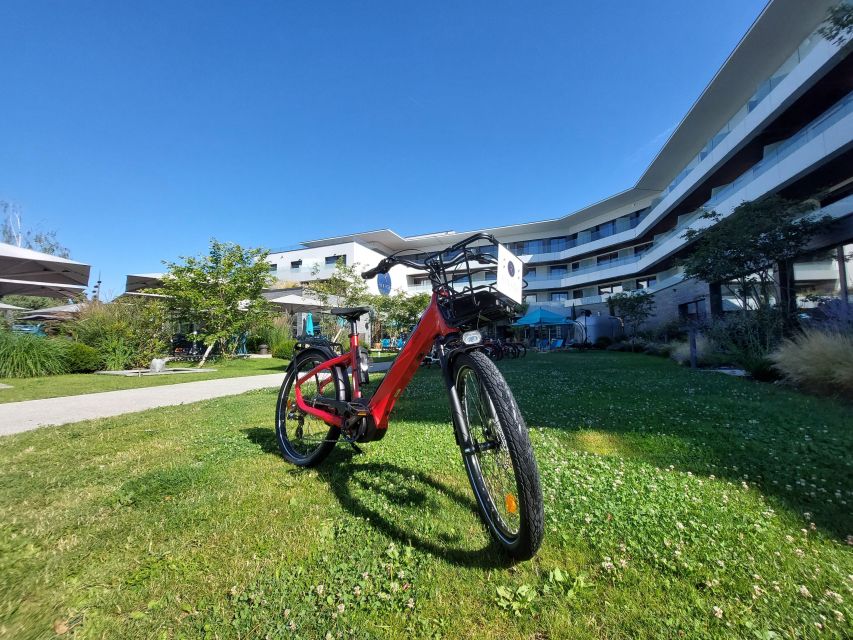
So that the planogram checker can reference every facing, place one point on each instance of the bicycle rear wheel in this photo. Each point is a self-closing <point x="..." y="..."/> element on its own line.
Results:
<point x="303" y="439"/>
<point x="500" y="465"/>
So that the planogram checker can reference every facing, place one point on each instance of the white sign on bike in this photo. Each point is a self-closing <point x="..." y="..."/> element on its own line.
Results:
<point x="509" y="274"/>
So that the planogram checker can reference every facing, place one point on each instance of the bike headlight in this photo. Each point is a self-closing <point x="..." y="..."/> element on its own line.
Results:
<point x="472" y="337"/>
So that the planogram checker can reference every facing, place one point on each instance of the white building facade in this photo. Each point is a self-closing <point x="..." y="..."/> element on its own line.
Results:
<point x="777" y="118"/>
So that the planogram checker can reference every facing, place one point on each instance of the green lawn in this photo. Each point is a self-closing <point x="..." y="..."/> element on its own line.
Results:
<point x="79" y="383"/>
<point x="679" y="504"/>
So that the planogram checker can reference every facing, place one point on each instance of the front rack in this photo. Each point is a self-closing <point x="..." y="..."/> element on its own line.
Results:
<point x="464" y="301"/>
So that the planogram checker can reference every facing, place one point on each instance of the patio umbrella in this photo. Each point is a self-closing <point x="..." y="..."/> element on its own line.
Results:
<point x="53" y="313"/>
<point x="20" y="264"/>
<point x="309" y="324"/>
<point x="296" y="304"/>
<point x="9" y="286"/>
<point x="11" y="307"/>
<point x="138" y="281"/>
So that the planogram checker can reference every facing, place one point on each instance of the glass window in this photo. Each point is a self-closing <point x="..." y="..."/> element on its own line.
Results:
<point x="558" y="244"/>
<point x="558" y="296"/>
<point x="607" y="258"/>
<point x="577" y="294"/>
<point x="610" y="288"/>
<point x="331" y="261"/>
<point x="558" y="271"/>
<point x="273" y="268"/>
<point x="296" y="265"/>
<point x="646" y="283"/>
<point x="576" y="266"/>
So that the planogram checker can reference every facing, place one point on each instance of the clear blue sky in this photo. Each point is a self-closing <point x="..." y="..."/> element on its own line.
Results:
<point x="138" y="130"/>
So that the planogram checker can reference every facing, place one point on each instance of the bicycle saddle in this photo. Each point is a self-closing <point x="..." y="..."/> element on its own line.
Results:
<point x="349" y="313"/>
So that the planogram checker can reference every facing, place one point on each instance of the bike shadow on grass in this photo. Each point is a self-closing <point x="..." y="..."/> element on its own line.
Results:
<point x="370" y="490"/>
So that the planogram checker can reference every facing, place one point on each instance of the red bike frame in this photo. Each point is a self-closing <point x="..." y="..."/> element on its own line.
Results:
<point x="432" y="325"/>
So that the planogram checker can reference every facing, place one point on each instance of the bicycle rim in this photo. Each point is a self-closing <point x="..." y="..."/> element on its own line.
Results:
<point x="491" y="469"/>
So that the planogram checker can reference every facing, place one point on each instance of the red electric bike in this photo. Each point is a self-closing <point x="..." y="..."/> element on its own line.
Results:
<point x="319" y="402"/>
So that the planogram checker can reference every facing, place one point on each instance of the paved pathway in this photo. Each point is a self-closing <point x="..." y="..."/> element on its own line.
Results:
<point x="16" y="417"/>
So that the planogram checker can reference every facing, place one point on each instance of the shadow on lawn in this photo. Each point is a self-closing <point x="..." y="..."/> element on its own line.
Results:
<point x="408" y="489"/>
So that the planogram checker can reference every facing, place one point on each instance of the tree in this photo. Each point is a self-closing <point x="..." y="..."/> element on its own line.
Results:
<point x="397" y="313"/>
<point x="220" y="292"/>
<point x="747" y="246"/>
<point x="633" y="307"/>
<point x="838" y="27"/>
<point x="344" y="287"/>
<point x="13" y="232"/>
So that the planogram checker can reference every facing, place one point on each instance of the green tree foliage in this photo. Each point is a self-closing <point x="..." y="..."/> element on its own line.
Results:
<point x="220" y="292"/>
<point x="746" y="246"/>
<point x="838" y="27"/>
<point x="397" y="313"/>
<point x="344" y="287"/>
<point x="126" y="333"/>
<point x="634" y="308"/>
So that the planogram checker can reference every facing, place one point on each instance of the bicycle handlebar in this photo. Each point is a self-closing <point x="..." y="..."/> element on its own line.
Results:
<point x="483" y="258"/>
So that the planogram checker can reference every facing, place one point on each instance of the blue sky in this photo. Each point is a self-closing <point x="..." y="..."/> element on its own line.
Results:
<point x="139" y="130"/>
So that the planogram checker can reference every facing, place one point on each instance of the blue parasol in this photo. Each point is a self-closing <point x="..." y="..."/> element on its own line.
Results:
<point x="309" y="324"/>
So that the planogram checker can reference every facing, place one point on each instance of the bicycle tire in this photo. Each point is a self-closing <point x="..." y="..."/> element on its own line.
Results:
<point x="290" y="422"/>
<point x="511" y="507"/>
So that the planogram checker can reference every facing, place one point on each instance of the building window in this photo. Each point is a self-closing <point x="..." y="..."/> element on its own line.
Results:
<point x="273" y="268"/>
<point x="531" y="299"/>
<point x="646" y="283"/>
<point x="576" y="266"/>
<point x="607" y="258"/>
<point x="558" y="271"/>
<point x="296" y="265"/>
<point x="491" y="276"/>
<point x="531" y="273"/>
<point x="577" y="294"/>
<point x="609" y="288"/>
<point x="559" y="296"/>
<point x="642" y="248"/>
<point x="331" y="261"/>
<point x="534" y="246"/>
<point x="557" y="244"/>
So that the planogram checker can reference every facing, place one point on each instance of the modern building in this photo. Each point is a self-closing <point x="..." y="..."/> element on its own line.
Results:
<point x="777" y="118"/>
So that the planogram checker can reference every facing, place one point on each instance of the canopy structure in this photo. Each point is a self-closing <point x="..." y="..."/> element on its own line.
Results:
<point x="540" y="318"/>
<point x="298" y="304"/>
<point x="46" y="289"/>
<point x="53" y="313"/>
<point x="138" y="281"/>
<point x="18" y="263"/>
<point x="11" y="307"/>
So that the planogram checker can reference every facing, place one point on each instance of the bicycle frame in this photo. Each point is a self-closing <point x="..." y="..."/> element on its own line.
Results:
<point x="431" y="326"/>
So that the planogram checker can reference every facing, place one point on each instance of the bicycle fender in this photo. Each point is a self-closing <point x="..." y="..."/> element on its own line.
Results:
<point x="325" y="352"/>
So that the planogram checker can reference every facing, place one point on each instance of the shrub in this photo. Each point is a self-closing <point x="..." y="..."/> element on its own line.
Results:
<point x="81" y="358"/>
<point x="26" y="356"/>
<point x="602" y="342"/>
<point x="706" y="356"/>
<point x="283" y="348"/>
<point x="748" y="339"/>
<point x="127" y="333"/>
<point x="658" y="349"/>
<point x="818" y="361"/>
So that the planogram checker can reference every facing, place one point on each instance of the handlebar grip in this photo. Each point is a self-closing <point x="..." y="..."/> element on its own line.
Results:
<point x="382" y="267"/>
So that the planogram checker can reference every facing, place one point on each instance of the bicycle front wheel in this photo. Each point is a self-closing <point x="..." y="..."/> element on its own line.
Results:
<point x="500" y="463"/>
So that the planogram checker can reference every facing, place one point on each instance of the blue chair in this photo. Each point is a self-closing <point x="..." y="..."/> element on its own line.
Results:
<point x="386" y="344"/>
<point x="400" y="343"/>
<point x="32" y="329"/>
